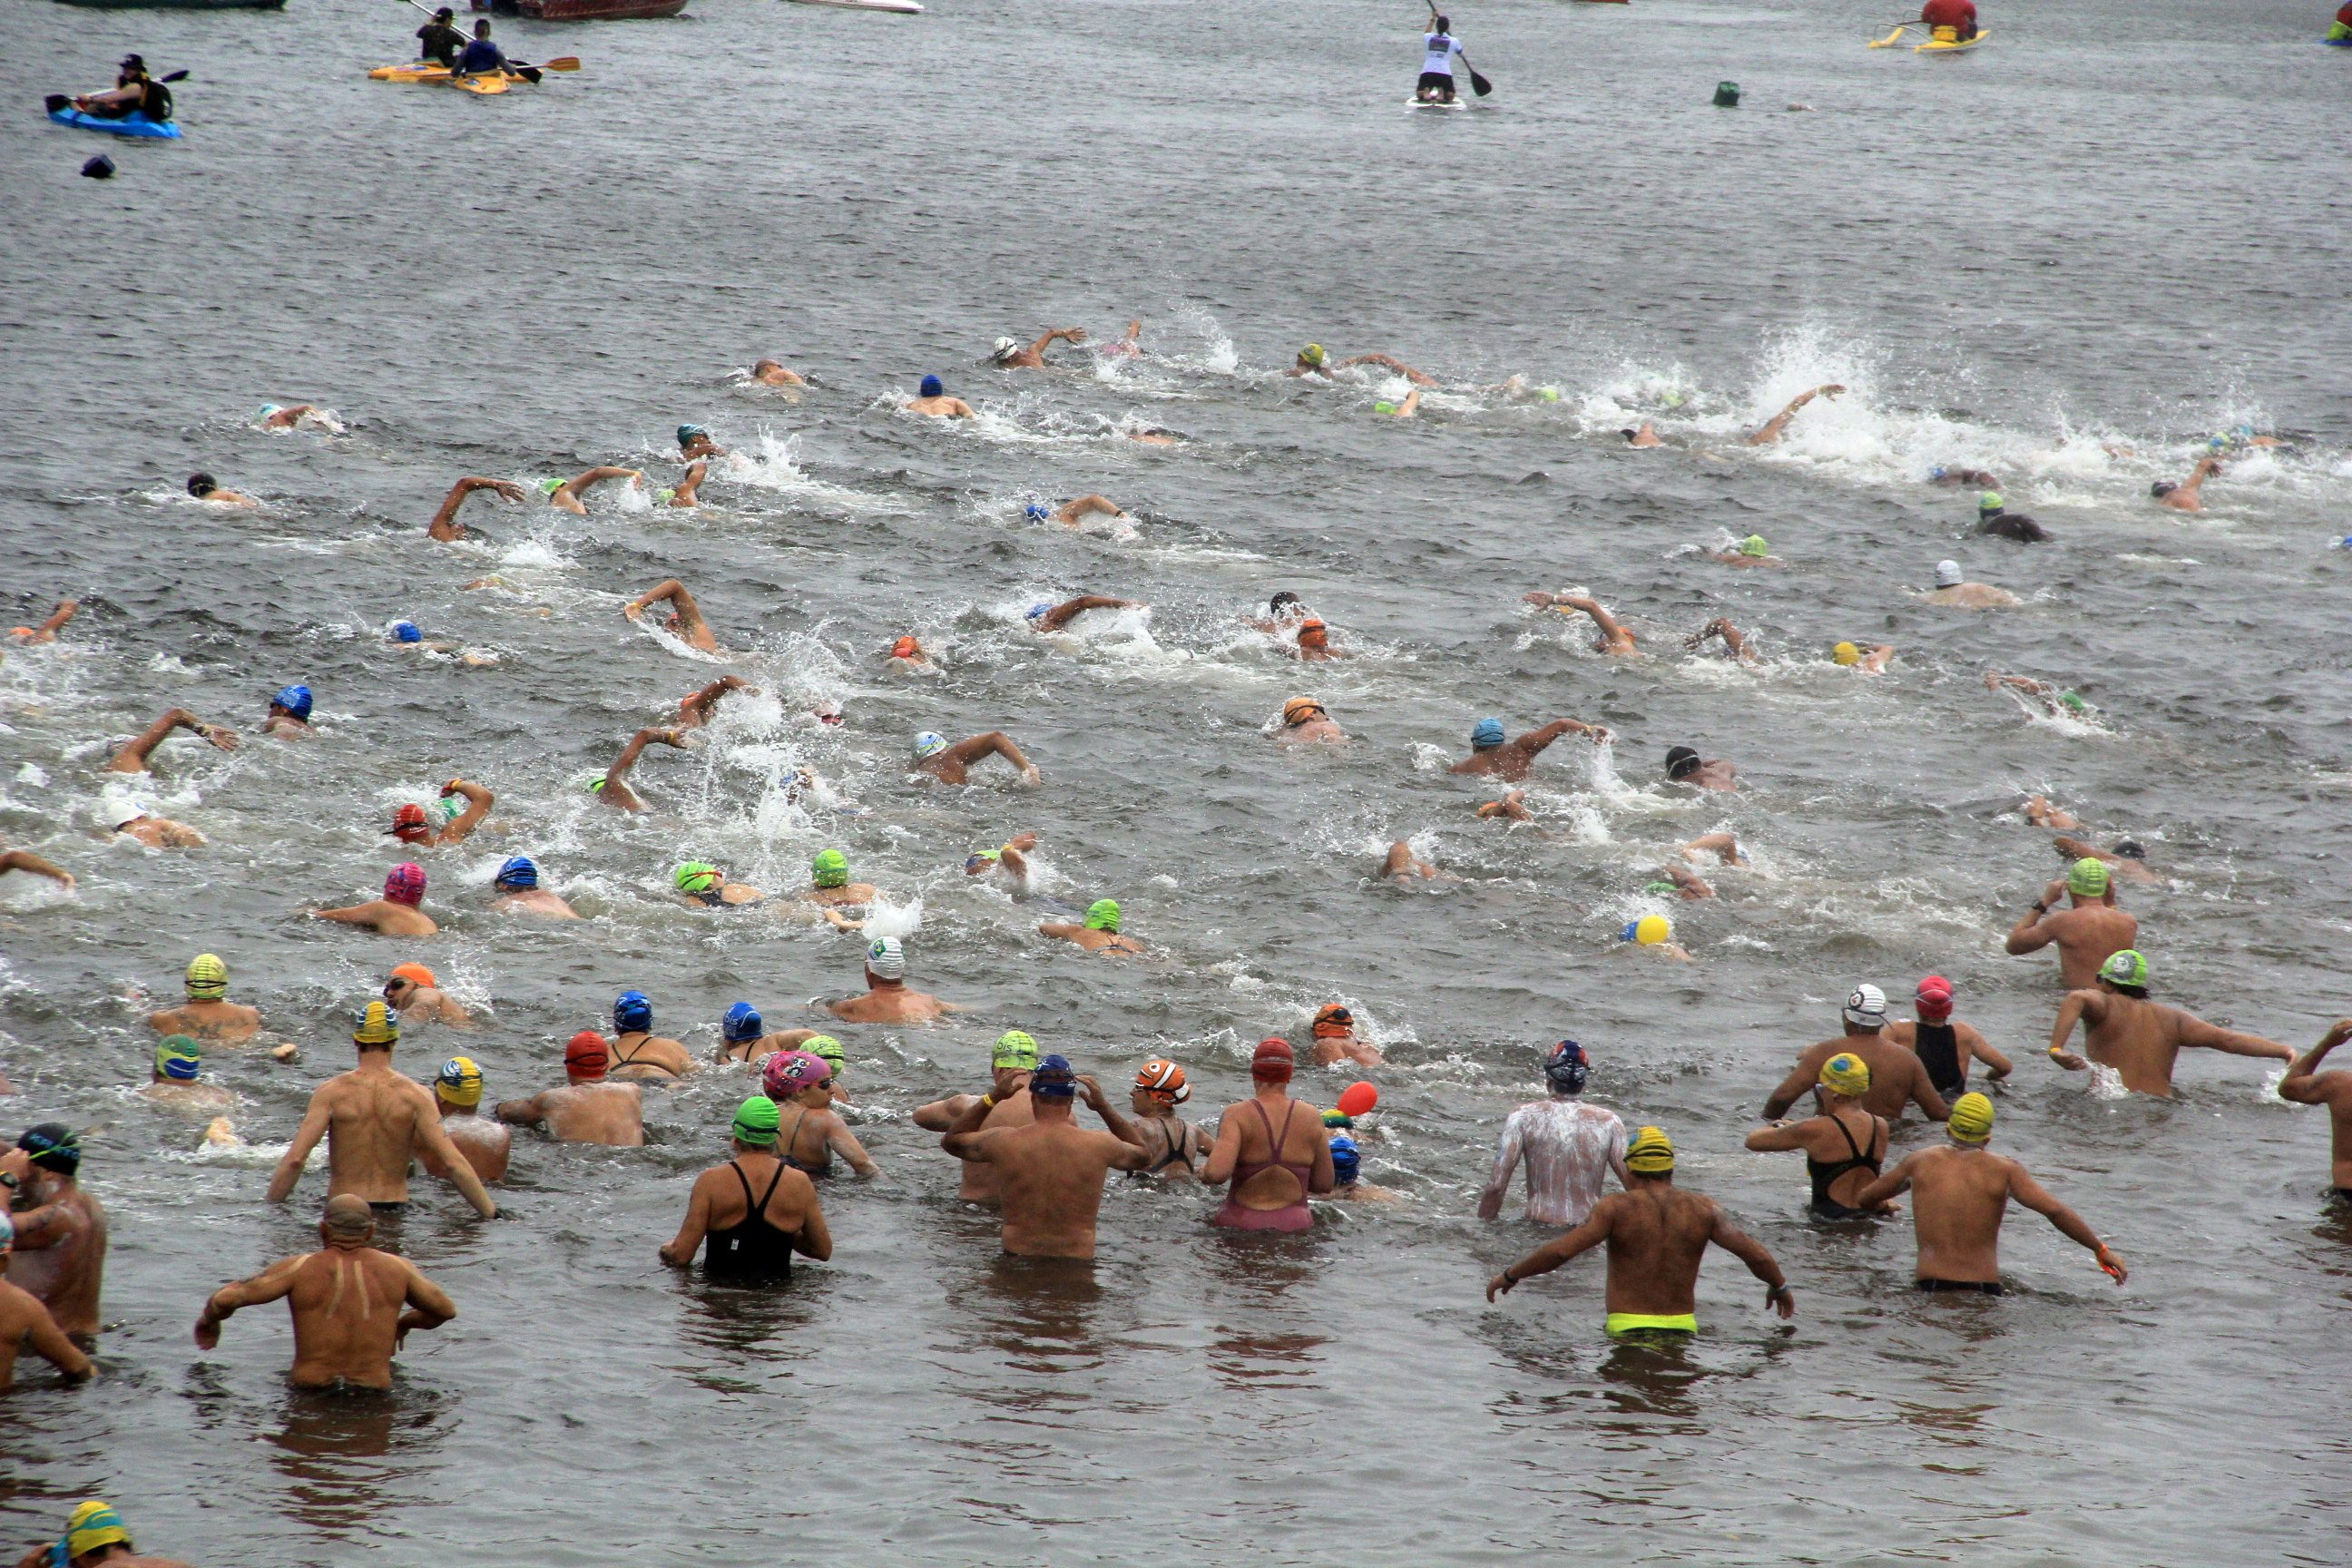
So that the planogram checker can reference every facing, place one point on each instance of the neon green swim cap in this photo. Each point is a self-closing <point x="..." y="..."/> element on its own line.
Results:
<point x="1015" y="1048"/>
<point x="2125" y="968"/>
<point x="2088" y="877"/>
<point x="756" y="1121"/>
<point x="695" y="876"/>
<point x="1990" y="502"/>
<point x="549" y="487"/>
<point x="1103" y="915"/>
<point x="1384" y="406"/>
<point x="830" y="869"/>
<point x="1548" y="393"/>
<point x="1754" y="545"/>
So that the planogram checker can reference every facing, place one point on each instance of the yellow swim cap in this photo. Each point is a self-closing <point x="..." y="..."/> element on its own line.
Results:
<point x="207" y="977"/>
<point x="1846" y="654"/>
<point x="1846" y="1074"/>
<point x="1312" y="354"/>
<point x="1651" y="930"/>
<point x="377" y="1026"/>
<point x="1651" y="1153"/>
<point x="459" y="1082"/>
<point x="2088" y="877"/>
<point x="1971" y="1120"/>
<point x="94" y="1525"/>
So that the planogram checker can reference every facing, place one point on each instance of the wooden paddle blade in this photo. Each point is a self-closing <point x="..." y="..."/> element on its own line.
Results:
<point x="560" y="63"/>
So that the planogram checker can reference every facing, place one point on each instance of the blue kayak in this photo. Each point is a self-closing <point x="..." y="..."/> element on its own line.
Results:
<point x="129" y="125"/>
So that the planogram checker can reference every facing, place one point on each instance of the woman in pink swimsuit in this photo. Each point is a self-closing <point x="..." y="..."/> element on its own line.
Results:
<point x="1271" y="1148"/>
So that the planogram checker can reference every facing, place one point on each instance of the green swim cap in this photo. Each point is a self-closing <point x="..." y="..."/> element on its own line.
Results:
<point x="1384" y="406"/>
<point x="2125" y="968"/>
<point x="830" y="869"/>
<point x="1659" y="887"/>
<point x="596" y="784"/>
<point x="1313" y="353"/>
<point x="1015" y="1048"/>
<point x="2089" y="878"/>
<point x="756" y="1121"/>
<point x="1989" y="501"/>
<point x="549" y="487"/>
<point x="2073" y="702"/>
<point x="827" y="1049"/>
<point x="1103" y="915"/>
<point x="1548" y="393"/>
<point x="695" y="876"/>
<point x="1754" y="545"/>
<point x="665" y="496"/>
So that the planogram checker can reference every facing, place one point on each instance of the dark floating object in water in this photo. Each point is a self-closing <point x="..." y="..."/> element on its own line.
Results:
<point x="98" y="168"/>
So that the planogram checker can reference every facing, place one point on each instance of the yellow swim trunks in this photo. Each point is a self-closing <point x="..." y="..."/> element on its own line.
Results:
<point x="1668" y="1323"/>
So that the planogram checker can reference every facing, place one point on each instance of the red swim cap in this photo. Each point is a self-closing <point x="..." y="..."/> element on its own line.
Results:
<point x="405" y="884"/>
<point x="585" y="1055"/>
<point x="1273" y="1061"/>
<point x="409" y="823"/>
<point x="1935" y="999"/>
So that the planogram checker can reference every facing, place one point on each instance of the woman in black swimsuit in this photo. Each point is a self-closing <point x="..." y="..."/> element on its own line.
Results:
<point x="1843" y="1146"/>
<point x="1159" y="1088"/>
<point x="755" y="1210"/>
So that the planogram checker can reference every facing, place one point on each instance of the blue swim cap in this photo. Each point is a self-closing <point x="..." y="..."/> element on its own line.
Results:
<point x="519" y="871"/>
<point x="743" y="1022"/>
<point x="1037" y="609"/>
<point x="1345" y="1161"/>
<point x="1486" y="735"/>
<point x="407" y="631"/>
<point x="686" y="433"/>
<point x="1936" y="472"/>
<point x="1053" y="1078"/>
<point x="1037" y="509"/>
<point x="933" y="386"/>
<point x="632" y="1012"/>
<point x="295" y="700"/>
<point x="1632" y="929"/>
<point x="1568" y="1068"/>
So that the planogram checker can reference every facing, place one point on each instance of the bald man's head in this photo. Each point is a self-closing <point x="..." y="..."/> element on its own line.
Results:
<point x="348" y="1215"/>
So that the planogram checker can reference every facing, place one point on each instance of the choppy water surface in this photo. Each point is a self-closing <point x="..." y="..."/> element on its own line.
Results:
<point x="2069" y="257"/>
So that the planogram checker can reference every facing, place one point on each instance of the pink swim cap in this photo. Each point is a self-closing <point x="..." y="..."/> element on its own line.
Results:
<point x="789" y="1072"/>
<point x="405" y="884"/>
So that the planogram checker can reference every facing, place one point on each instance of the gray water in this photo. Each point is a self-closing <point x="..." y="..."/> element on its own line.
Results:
<point x="2110" y="226"/>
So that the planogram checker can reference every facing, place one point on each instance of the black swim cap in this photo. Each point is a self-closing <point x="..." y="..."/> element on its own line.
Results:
<point x="2162" y="488"/>
<point x="53" y="1146"/>
<point x="202" y="485"/>
<point x="2130" y="849"/>
<point x="1285" y="597"/>
<point x="1681" y="760"/>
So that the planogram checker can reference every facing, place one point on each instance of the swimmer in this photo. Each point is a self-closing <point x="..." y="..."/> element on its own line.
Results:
<point x="907" y="653"/>
<point x="1896" y="1078"/>
<point x="1846" y="655"/>
<point x="1512" y="760"/>
<point x="345" y="1300"/>
<point x="1006" y="1105"/>
<point x="411" y="825"/>
<point x="686" y="493"/>
<point x="685" y="617"/>
<point x="26" y="1321"/>
<point x="829" y="882"/>
<point x="2055" y="703"/>
<point x="1176" y="1148"/>
<point x="1305" y="721"/>
<point x="1655" y="934"/>
<point x="399" y="913"/>
<point x="289" y="713"/>
<point x="485" y="1143"/>
<point x="1643" y="436"/>
<point x="1657" y="1234"/>
<point x="1957" y="478"/>
<point x="1685" y="766"/>
<point x="1052" y="1170"/>
<point x="1994" y="517"/>
<point x="1952" y="587"/>
<point x="743" y="1037"/>
<point x="1072" y="513"/>
<point x="705" y="886"/>
<point x="2188" y="495"/>
<point x="291" y="416"/>
<point x="207" y="1014"/>
<point x="61" y="1230"/>
<point x="1314" y="644"/>
<point x="635" y="1053"/>
<point x="1312" y="360"/>
<point x="36" y="865"/>
<point x="2038" y="811"/>
<point x="887" y="998"/>
<point x="750" y="1238"/>
<point x="1844" y="1146"/>
<point x="768" y="372"/>
<point x="587" y="1109"/>
<point x="47" y="632"/>
<point x="1724" y="847"/>
<point x="934" y="402"/>
<point x="1775" y="426"/>
<point x="445" y="525"/>
<point x="1126" y="346"/>
<point x="412" y="992"/>
<point x="801" y="1081"/>
<point x="1752" y="551"/>
<point x="1735" y="641"/>
<point x="1943" y="1044"/>
<point x="1054" y="617"/>
<point x="375" y="1123"/>
<point x="2138" y="1038"/>
<point x="208" y="489"/>
<point x="1272" y="1158"/>
<point x="1347" y="1167"/>
<point x="94" y="1534"/>
<point x="1008" y="354"/>
<point x="1336" y="1039"/>
<point x="1408" y="408"/>
<point x="1614" y="637"/>
<point x="1098" y="934"/>
<point x="695" y="708"/>
<point x="612" y="789"/>
<point x="952" y="762"/>
<point x="1010" y="860"/>
<point x="569" y="495"/>
<point x="520" y="893"/>
<point x="1960" y="1193"/>
<point x="1569" y="1147"/>
<point x="132" y="757"/>
<point x="694" y="442"/>
<point x="2086" y="933"/>
<point x="1685" y="882"/>
<point x="1512" y="808"/>
<point x="2125" y="860"/>
<point x="2305" y="1084"/>
<point x="1392" y="365"/>
<point x="1400" y="864"/>
<point x="1284" y="613"/>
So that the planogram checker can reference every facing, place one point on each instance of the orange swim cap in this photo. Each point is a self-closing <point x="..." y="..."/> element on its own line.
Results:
<point x="905" y="647"/>
<point x="1163" y="1081"/>
<point x="415" y="973"/>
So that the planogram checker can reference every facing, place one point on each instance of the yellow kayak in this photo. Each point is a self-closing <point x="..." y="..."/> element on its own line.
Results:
<point x="441" y="75"/>
<point x="1946" y="42"/>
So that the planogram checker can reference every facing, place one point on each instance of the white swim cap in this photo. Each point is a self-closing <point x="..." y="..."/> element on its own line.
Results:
<point x="1947" y="575"/>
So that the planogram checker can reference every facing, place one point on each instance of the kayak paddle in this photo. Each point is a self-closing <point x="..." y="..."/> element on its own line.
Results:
<point x="1900" y="29"/>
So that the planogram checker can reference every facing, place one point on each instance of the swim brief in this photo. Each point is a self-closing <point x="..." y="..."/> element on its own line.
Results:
<point x="1661" y="1322"/>
<point x="1981" y="1286"/>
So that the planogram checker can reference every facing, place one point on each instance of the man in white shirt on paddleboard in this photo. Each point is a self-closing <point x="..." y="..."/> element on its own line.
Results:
<point x="1439" y="52"/>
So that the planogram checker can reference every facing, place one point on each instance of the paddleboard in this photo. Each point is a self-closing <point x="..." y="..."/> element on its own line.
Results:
<point x="902" y="8"/>
<point x="1932" y="46"/>
<point x="1435" y="104"/>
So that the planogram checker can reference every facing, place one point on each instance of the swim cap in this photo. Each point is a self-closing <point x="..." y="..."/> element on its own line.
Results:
<point x="179" y="1059"/>
<point x="1036" y="511"/>
<point x="1053" y="1078"/>
<point x="886" y="958"/>
<point x="1989" y="502"/>
<point x="1004" y="346"/>
<point x="1015" y="1048"/>
<point x="686" y="433"/>
<point x="1103" y="915"/>
<point x="409" y="822"/>
<point x="756" y="1122"/>
<point x="1662" y="887"/>
<point x="549" y="487"/>
<point x="633" y="1011"/>
<point x="982" y="858"/>
<point x="1548" y="393"/>
<point x="1651" y="1153"/>
<point x="1866" y="1005"/>
<point x="1163" y="1081"/>
<point x="295" y="700"/>
<point x="405" y="884"/>
<point x="459" y="1082"/>
<point x="1487" y="734"/>
<point x="1846" y="1074"/>
<point x="2088" y="877"/>
<point x="1037" y="610"/>
<point x="407" y="631"/>
<point x="94" y="1524"/>
<point x="2073" y="702"/>
<point x="2125" y="968"/>
<point x="1568" y="1068"/>
<point x="830" y="869"/>
<point x="1846" y="654"/>
<point x="827" y="1049"/>
<point x="1936" y="472"/>
<point x="1296" y="711"/>
<point x="1384" y="407"/>
<point x="584" y="1055"/>
<point x="1681" y="760"/>
<point x="53" y="1146"/>
<point x="1345" y="1161"/>
<point x="1935" y="999"/>
<point x="1273" y="1061"/>
<point x="1285" y="597"/>
<point x="905" y="647"/>
<point x="1647" y="931"/>
<point x="2159" y="490"/>
<point x="1313" y="633"/>
<point x="207" y="978"/>
<point x="202" y="485"/>
<point x="414" y="974"/>
<point x="933" y="386"/>
<point x="786" y="1073"/>
<point x="2131" y="849"/>
<point x="1312" y="354"/>
<point x="1947" y="575"/>
<point x="1971" y="1120"/>
<point x="695" y="876"/>
<point x="743" y="1022"/>
<point x="376" y="1027"/>
<point x="930" y="743"/>
<point x="1332" y="1019"/>
<point x="519" y="871"/>
<point x="1754" y="545"/>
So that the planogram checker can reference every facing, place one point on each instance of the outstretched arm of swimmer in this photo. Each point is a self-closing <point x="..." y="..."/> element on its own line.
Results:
<point x="1061" y="615"/>
<point x="306" y="1138"/>
<point x="1389" y="362"/>
<point x="615" y="774"/>
<point x="941" y="1115"/>
<point x="272" y="1284"/>
<point x="47" y="630"/>
<point x="669" y="588"/>
<point x="1779" y="1138"/>
<point x="1087" y="506"/>
<point x="478" y="801"/>
<point x="1507" y="1150"/>
<point x="684" y="493"/>
<point x="698" y="706"/>
<point x="26" y="860"/>
<point x="995" y="743"/>
<point x="1779" y="422"/>
<point x="2194" y="1031"/>
<point x="1611" y="629"/>
<point x="2305" y="1084"/>
<point x="2078" y="1006"/>
<point x="350" y="914"/>
<point x="133" y="758"/>
<point x="582" y="484"/>
<point x="1063" y="929"/>
<point x="444" y="525"/>
<point x="679" y="1250"/>
<point x="2035" y="1197"/>
<point x="1801" y="1080"/>
<point x="1733" y="639"/>
<point x="529" y="1112"/>
<point x="1760" y="1261"/>
<point x="458" y="1170"/>
<point x="1558" y="1250"/>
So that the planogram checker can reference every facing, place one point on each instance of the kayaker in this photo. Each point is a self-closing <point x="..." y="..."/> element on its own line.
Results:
<point x="134" y="92"/>
<point x="440" y="40"/>
<point x="1439" y="51"/>
<point x="1959" y="16"/>
<point x="482" y="55"/>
